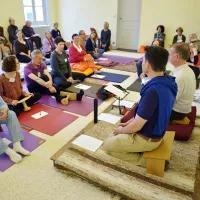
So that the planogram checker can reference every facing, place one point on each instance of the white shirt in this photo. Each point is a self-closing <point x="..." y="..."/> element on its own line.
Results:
<point x="186" y="82"/>
<point x="78" y="48"/>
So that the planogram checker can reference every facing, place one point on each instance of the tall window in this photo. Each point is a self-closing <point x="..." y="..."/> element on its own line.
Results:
<point x="36" y="11"/>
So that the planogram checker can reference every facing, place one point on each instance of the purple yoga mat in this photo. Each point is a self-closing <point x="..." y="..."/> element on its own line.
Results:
<point x="31" y="142"/>
<point x="84" y="107"/>
<point x="119" y="59"/>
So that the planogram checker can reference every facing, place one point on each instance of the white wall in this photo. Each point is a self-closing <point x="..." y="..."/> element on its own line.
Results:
<point x="14" y="8"/>
<point x="74" y="15"/>
<point x="172" y="14"/>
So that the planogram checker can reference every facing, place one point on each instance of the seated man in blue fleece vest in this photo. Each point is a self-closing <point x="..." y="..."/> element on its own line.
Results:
<point x="145" y="131"/>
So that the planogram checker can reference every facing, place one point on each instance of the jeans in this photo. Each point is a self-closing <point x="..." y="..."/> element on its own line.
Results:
<point x="139" y="68"/>
<point x="100" y="53"/>
<point x="14" y="130"/>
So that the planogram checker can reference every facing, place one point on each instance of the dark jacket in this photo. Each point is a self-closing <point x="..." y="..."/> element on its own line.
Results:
<point x="2" y="35"/>
<point x="12" y="33"/>
<point x="55" y="33"/>
<point x="176" y="39"/>
<point x="89" y="46"/>
<point x="28" y="31"/>
<point x="105" y="37"/>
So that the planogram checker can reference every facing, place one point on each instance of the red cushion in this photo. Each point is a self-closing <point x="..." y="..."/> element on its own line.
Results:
<point x="183" y="132"/>
<point x="129" y="116"/>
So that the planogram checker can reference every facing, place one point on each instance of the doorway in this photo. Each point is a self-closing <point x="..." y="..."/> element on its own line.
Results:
<point x="128" y="30"/>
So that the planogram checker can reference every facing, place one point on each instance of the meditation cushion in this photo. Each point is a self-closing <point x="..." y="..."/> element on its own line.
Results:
<point x="129" y="115"/>
<point x="184" y="121"/>
<point x="88" y="71"/>
<point x="141" y="49"/>
<point x="183" y="132"/>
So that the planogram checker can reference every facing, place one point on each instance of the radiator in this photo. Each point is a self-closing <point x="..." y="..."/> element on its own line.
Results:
<point x="41" y="30"/>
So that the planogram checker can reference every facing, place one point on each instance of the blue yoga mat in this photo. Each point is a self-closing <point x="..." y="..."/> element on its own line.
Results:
<point x="117" y="78"/>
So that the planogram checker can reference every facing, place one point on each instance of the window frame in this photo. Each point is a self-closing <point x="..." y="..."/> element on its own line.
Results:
<point x="44" y="6"/>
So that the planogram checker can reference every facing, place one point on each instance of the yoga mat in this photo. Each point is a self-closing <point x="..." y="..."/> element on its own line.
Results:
<point x="50" y="124"/>
<point x="119" y="59"/>
<point x="83" y="107"/>
<point x="117" y="78"/>
<point x="91" y="92"/>
<point x="136" y="86"/>
<point x="31" y="142"/>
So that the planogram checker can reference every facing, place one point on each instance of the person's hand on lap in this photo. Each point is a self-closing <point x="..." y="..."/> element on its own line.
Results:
<point x="118" y="131"/>
<point x="4" y="113"/>
<point x="70" y="79"/>
<point x="52" y="89"/>
<point x="14" y="102"/>
<point x="48" y="84"/>
<point x="29" y="94"/>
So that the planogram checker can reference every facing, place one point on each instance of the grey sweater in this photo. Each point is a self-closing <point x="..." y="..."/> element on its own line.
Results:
<point x="60" y="65"/>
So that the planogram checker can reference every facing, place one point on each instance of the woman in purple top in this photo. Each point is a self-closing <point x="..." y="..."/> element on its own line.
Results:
<point x="29" y="32"/>
<point x="48" y="45"/>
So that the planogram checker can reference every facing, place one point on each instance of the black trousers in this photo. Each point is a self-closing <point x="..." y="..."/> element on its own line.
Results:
<point x="62" y="84"/>
<point x="106" y="48"/>
<point x="37" y="41"/>
<point x="37" y="88"/>
<point x="196" y="70"/>
<point x="18" y="109"/>
<point x="23" y="59"/>
<point x="177" y="116"/>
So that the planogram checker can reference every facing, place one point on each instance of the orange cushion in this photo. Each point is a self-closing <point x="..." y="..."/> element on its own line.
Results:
<point x="88" y="71"/>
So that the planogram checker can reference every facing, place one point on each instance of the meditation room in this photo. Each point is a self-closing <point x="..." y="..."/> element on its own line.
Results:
<point x="100" y="100"/>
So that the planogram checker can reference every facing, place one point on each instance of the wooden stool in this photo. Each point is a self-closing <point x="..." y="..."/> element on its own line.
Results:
<point x="156" y="158"/>
<point x="23" y="101"/>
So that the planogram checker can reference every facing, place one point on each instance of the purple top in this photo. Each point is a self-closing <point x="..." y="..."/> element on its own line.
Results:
<point x="48" y="46"/>
<point x="29" y="69"/>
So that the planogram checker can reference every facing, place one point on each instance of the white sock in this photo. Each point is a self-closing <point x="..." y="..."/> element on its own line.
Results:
<point x="17" y="147"/>
<point x="15" y="157"/>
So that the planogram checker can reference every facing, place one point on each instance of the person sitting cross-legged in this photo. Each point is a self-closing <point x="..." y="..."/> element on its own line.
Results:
<point x="9" y="118"/>
<point x="185" y="79"/>
<point x="39" y="80"/>
<point x="91" y="47"/>
<point x="145" y="131"/>
<point x="79" y="59"/>
<point x="11" y="88"/>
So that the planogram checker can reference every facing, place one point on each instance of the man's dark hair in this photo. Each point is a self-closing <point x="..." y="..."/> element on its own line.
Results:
<point x="162" y="28"/>
<point x="9" y="64"/>
<point x="58" y="40"/>
<point x="182" y="49"/>
<point x="157" y="57"/>
<point x="74" y="35"/>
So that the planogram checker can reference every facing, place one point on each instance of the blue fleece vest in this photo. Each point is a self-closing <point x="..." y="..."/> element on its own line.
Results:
<point x="166" y="89"/>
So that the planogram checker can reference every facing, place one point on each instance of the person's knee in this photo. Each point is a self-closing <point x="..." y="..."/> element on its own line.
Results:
<point x="110" y="144"/>
<point x="37" y="96"/>
<point x="44" y="77"/>
<point x="12" y="114"/>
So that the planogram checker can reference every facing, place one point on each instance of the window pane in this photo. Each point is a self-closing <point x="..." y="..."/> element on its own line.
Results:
<point x="39" y="14"/>
<point x="27" y="2"/>
<point x="38" y="2"/>
<point x="28" y="13"/>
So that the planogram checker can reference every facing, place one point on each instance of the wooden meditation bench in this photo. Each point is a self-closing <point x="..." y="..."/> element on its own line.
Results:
<point x="156" y="158"/>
